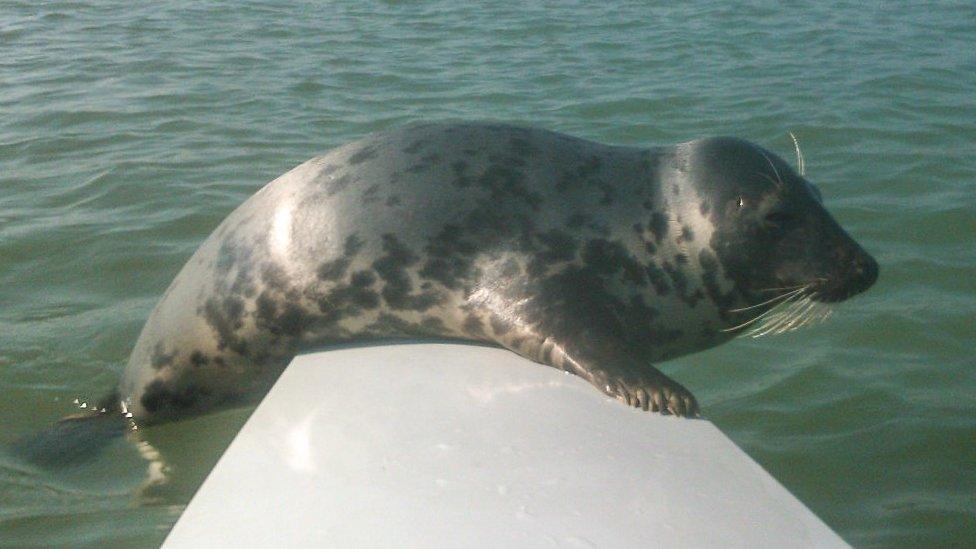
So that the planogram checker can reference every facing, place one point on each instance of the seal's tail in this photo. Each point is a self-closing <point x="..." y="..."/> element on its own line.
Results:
<point x="75" y="439"/>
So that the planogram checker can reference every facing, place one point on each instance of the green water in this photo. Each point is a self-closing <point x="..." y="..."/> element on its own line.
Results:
<point x="128" y="131"/>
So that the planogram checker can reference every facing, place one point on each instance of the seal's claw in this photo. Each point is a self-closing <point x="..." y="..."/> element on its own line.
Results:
<point x="659" y="394"/>
<point x="681" y="402"/>
<point x="643" y="400"/>
<point x="658" y="400"/>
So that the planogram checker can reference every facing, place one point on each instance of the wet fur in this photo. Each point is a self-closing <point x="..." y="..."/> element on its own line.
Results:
<point x="596" y="259"/>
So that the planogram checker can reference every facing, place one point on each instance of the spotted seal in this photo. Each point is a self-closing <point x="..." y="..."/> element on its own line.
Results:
<point x="599" y="260"/>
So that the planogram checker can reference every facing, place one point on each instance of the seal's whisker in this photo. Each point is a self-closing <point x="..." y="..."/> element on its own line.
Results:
<point x="819" y="314"/>
<point x="774" y="323"/>
<point x="784" y="288"/>
<point x="826" y="314"/>
<point x="775" y="171"/>
<point x="800" y="164"/>
<point x="785" y="318"/>
<point x="768" y="301"/>
<point x="799" y="318"/>
<point x="774" y="311"/>
<point x="808" y="315"/>
<point x="770" y="179"/>
<point x="748" y="322"/>
<point x="805" y="315"/>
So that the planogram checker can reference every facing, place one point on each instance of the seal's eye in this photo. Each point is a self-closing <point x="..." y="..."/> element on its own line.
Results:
<point x="777" y="219"/>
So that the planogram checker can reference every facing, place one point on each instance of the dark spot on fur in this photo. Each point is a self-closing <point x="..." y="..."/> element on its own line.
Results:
<point x="389" y="325"/>
<point x="557" y="246"/>
<point x="658" y="226"/>
<point x="362" y="279"/>
<point x="473" y="326"/>
<point x="433" y="325"/>
<point x="333" y="270"/>
<point x="687" y="235"/>
<point x="158" y="398"/>
<point x="198" y="359"/>
<point x="291" y="322"/>
<point x="584" y="174"/>
<point x="499" y="325"/>
<point x="274" y="276"/>
<point x="281" y="318"/>
<point x="449" y="257"/>
<point x="658" y="279"/>
<point x="160" y="358"/>
<point x="226" y="256"/>
<point x="503" y="179"/>
<point x="392" y="268"/>
<point x="225" y="317"/>
<point x="362" y="155"/>
<point x="266" y="308"/>
<point x="242" y="284"/>
<point x="352" y="245"/>
<point x="371" y="194"/>
<point x="680" y="281"/>
<point x="393" y="200"/>
<point x="339" y="184"/>
<point x="606" y="257"/>
<point x="710" y="268"/>
<point x="351" y="299"/>
<point x="336" y="269"/>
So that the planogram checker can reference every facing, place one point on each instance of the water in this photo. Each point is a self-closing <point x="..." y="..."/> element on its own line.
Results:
<point x="128" y="131"/>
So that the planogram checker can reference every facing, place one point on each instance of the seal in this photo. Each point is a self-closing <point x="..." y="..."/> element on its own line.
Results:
<point x="599" y="260"/>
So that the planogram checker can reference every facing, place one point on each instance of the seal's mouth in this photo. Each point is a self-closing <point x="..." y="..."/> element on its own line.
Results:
<point x="861" y="275"/>
<point x="794" y="307"/>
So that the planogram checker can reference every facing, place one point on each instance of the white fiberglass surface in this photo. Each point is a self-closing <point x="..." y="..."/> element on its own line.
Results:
<point x="455" y="445"/>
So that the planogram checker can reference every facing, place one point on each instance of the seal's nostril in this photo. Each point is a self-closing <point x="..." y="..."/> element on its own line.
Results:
<point x="866" y="271"/>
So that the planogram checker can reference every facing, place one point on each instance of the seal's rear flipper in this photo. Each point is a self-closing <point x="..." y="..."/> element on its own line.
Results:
<point x="73" y="440"/>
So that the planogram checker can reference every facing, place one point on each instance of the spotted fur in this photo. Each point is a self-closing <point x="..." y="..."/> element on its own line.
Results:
<point x="596" y="259"/>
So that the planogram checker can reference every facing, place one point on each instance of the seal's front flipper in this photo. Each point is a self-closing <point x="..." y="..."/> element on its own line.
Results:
<point x="571" y="321"/>
<point x="598" y="357"/>
<point x="650" y="390"/>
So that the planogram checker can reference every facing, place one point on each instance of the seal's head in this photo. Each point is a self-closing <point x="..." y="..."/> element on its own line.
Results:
<point x="772" y="234"/>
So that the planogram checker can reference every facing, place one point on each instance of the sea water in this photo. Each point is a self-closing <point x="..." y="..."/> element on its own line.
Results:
<point x="128" y="130"/>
